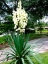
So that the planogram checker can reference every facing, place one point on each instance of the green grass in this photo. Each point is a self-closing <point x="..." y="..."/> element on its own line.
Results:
<point x="2" y="40"/>
<point x="43" y="31"/>
<point x="8" y="62"/>
<point x="44" y="59"/>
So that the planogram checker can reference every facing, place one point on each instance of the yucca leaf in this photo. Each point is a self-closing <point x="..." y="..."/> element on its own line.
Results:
<point x="26" y="53"/>
<point x="23" y="62"/>
<point x="26" y="49"/>
<point x="10" y="55"/>
<point x="28" y="58"/>
<point x="14" y="52"/>
<point x="16" y="42"/>
<point x="26" y="40"/>
<point x="20" y="49"/>
<point x="10" y="42"/>
<point x="21" y="43"/>
<point x="12" y="62"/>
<point x="37" y="59"/>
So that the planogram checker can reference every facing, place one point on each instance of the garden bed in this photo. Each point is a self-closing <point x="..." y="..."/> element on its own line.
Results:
<point x="2" y="46"/>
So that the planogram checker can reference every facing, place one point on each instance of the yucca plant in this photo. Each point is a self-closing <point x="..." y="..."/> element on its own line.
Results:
<point x="20" y="50"/>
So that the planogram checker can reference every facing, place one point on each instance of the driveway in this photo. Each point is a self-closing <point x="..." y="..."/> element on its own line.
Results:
<point x="40" y="45"/>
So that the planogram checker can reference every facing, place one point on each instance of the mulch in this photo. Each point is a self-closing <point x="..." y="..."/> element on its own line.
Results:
<point x="2" y="46"/>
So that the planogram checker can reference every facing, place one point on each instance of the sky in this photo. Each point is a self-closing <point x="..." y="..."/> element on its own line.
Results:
<point x="45" y="19"/>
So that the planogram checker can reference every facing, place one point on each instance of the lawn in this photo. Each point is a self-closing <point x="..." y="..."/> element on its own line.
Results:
<point x="43" y="31"/>
<point x="2" y="40"/>
<point x="44" y="59"/>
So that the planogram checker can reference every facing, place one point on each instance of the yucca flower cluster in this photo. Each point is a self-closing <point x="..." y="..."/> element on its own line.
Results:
<point x="20" y="18"/>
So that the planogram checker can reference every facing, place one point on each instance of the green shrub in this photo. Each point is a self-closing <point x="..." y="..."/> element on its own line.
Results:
<point x="20" y="50"/>
<point x="2" y="40"/>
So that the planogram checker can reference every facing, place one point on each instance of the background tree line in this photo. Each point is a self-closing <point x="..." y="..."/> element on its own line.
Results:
<point x="36" y="9"/>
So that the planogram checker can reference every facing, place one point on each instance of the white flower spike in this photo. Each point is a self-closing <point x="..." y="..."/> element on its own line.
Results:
<point x="20" y="17"/>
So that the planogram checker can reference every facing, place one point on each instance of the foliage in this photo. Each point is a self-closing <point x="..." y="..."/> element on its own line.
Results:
<point x="1" y="28"/>
<point x="46" y="24"/>
<point x="37" y="8"/>
<point x="20" y="50"/>
<point x="35" y="36"/>
<point x="8" y="18"/>
<point x="2" y="40"/>
<point x="30" y="24"/>
<point x="32" y="36"/>
<point x="8" y="25"/>
<point x="40" y="26"/>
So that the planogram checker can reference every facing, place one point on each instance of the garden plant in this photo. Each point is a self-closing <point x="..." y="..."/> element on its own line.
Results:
<point x="21" y="51"/>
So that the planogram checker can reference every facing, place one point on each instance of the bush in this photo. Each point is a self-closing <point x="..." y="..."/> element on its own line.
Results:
<point x="20" y="50"/>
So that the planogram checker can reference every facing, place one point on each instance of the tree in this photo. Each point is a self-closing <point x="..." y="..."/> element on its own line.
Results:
<point x="8" y="25"/>
<point x="40" y="26"/>
<point x="46" y="24"/>
<point x="37" y="8"/>
<point x="6" y="7"/>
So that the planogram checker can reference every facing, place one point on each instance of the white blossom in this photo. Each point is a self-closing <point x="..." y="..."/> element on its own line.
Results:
<point x="20" y="17"/>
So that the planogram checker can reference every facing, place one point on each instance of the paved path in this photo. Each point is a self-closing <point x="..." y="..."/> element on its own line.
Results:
<point x="3" y="54"/>
<point x="40" y="45"/>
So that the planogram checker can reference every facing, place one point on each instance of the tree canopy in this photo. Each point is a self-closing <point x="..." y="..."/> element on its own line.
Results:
<point x="37" y="8"/>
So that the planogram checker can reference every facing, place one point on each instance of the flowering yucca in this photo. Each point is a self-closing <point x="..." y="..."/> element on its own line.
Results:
<point x="20" y="17"/>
